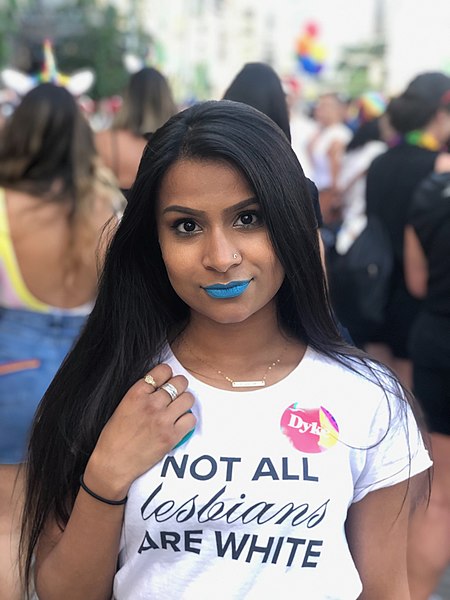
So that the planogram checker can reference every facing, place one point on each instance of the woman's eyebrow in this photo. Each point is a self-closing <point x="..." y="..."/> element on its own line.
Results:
<point x="194" y="212"/>
<point x="240" y="205"/>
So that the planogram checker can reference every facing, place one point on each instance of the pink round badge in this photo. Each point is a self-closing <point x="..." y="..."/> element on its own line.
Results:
<point x="310" y="430"/>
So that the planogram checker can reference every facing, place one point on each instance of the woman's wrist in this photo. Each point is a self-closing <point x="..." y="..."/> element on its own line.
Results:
<point x="104" y="483"/>
<point x="96" y="496"/>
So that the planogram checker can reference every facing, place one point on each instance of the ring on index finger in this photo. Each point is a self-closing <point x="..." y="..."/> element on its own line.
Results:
<point x="171" y="390"/>
<point x="149" y="379"/>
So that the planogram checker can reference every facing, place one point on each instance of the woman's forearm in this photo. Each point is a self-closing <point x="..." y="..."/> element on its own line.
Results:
<point x="82" y="563"/>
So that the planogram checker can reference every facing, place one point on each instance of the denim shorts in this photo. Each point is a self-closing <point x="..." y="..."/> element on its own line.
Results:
<point x="32" y="347"/>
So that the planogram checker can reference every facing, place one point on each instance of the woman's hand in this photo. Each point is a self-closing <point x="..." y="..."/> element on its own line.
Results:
<point x="144" y="427"/>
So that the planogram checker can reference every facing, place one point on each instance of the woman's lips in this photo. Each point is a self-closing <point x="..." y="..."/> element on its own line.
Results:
<point x="227" y="290"/>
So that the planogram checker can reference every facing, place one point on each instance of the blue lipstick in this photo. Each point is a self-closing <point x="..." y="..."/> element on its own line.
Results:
<point x="229" y="290"/>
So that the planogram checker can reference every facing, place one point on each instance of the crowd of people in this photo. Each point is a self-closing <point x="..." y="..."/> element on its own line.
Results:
<point x="182" y="402"/>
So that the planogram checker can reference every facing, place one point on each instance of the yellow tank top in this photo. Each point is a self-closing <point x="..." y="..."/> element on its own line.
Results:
<point x="13" y="291"/>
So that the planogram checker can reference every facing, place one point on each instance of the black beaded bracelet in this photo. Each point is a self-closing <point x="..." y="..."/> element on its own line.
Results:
<point x="100" y="498"/>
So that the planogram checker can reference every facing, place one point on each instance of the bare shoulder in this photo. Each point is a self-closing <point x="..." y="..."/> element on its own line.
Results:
<point x="103" y="140"/>
<point x="131" y="142"/>
<point x="442" y="164"/>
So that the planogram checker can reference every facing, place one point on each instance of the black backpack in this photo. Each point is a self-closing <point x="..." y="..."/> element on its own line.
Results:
<point x="360" y="280"/>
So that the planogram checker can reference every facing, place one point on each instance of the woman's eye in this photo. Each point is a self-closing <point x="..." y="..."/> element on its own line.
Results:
<point x="186" y="227"/>
<point x="248" y="219"/>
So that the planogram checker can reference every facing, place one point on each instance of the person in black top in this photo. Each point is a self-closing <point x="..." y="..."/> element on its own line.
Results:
<point x="258" y="85"/>
<point x="427" y="274"/>
<point x="423" y="122"/>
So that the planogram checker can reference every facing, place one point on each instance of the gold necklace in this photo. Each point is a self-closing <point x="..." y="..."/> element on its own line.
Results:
<point x="234" y="383"/>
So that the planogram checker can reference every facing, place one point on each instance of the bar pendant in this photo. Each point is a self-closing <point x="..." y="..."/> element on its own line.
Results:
<point x="244" y="384"/>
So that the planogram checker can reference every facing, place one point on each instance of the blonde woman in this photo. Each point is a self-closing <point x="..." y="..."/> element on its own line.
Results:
<point x="54" y="202"/>
<point x="147" y="104"/>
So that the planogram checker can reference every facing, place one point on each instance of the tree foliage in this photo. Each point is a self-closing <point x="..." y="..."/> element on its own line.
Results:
<point x="100" y="44"/>
<point x="361" y="68"/>
<point x="84" y="34"/>
<point x="8" y="26"/>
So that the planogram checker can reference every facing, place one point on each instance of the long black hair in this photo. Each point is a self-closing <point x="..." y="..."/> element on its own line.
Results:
<point x="259" y="86"/>
<point x="137" y="309"/>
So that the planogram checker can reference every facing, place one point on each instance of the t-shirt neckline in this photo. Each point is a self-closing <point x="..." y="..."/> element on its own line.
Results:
<point x="199" y="384"/>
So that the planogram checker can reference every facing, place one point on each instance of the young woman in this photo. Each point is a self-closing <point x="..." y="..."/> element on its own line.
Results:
<point x="421" y="117"/>
<point x="210" y="432"/>
<point x="258" y="85"/>
<point x="55" y="199"/>
<point x="326" y="150"/>
<point x="147" y="104"/>
<point x="427" y="275"/>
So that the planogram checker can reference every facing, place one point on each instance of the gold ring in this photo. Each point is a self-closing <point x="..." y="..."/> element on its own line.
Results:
<point x="171" y="390"/>
<point x="149" y="379"/>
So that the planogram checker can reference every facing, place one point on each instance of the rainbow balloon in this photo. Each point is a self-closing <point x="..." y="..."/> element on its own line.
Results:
<point x="310" y="51"/>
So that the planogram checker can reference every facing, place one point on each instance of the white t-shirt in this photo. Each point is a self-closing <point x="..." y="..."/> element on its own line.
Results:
<point x="352" y="183"/>
<point x="352" y="177"/>
<point x="320" y="149"/>
<point x="253" y="504"/>
<point x="302" y="130"/>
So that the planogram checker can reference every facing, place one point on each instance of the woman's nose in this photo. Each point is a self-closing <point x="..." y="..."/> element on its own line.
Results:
<point x="220" y="253"/>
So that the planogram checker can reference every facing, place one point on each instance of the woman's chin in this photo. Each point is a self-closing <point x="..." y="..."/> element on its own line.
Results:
<point x="226" y="315"/>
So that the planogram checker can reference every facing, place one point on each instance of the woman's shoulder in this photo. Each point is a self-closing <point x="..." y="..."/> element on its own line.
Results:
<point x="125" y="136"/>
<point x="367" y="397"/>
<point x="17" y="196"/>
<point x="102" y="139"/>
<point x="109" y="140"/>
<point x="27" y="209"/>
<point x="431" y="198"/>
<point x="348" y="372"/>
<point x="442" y="164"/>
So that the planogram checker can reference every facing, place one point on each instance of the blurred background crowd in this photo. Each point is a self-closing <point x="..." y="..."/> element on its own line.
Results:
<point x="200" y="44"/>
<point x="361" y="90"/>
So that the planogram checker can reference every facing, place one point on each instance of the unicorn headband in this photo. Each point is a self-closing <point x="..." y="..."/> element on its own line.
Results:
<point x="77" y="84"/>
